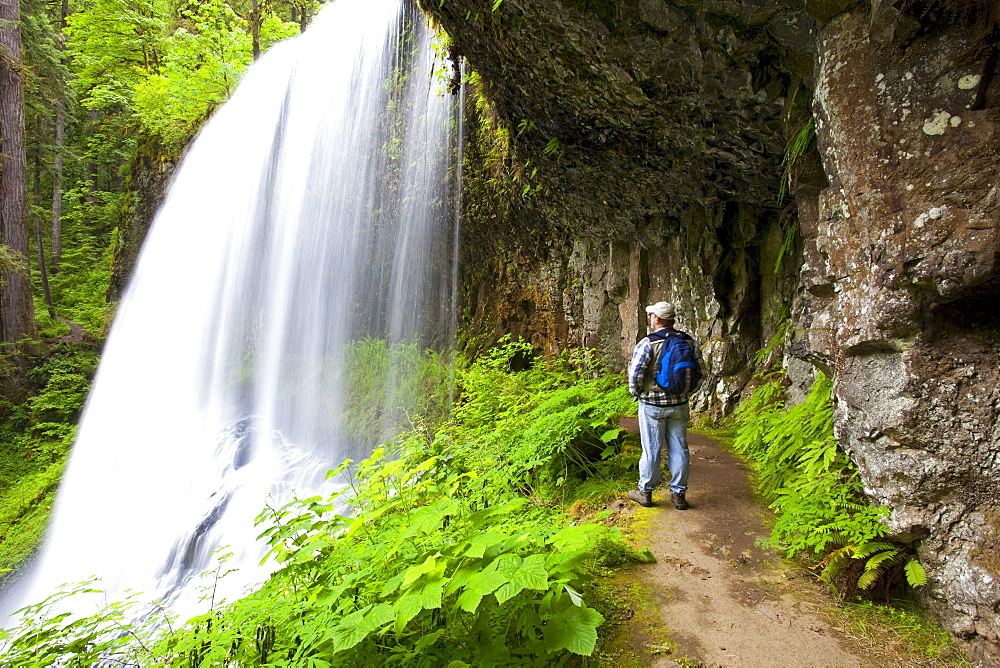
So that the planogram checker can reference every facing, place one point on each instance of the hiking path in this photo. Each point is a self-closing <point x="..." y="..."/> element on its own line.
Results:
<point x="721" y="598"/>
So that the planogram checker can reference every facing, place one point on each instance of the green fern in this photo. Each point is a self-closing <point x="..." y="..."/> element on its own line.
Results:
<point x="814" y="488"/>
<point x="916" y="576"/>
<point x="801" y="141"/>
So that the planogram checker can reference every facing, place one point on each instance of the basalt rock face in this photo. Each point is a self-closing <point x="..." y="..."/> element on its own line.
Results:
<point x="149" y="176"/>
<point x="903" y="282"/>
<point x="657" y="133"/>
<point x="658" y="128"/>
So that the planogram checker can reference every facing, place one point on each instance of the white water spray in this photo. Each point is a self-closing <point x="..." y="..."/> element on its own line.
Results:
<point x="313" y="210"/>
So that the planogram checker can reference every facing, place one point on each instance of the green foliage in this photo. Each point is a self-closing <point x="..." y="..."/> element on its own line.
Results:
<point x="169" y="70"/>
<point x="10" y="261"/>
<point x="901" y="628"/>
<point x="202" y="62"/>
<point x="420" y="384"/>
<point x="35" y="437"/>
<point x="42" y="426"/>
<point x="24" y="511"/>
<point x="539" y="431"/>
<point x="813" y="487"/>
<point x="454" y="551"/>
<point x="78" y="290"/>
<point x="786" y="244"/>
<point x="802" y="140"/>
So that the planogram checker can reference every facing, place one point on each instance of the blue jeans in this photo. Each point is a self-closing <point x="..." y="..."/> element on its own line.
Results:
<point x="656" y="425"/>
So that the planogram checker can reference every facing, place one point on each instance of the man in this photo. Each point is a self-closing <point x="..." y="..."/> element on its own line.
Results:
<point x="662" y="415"/>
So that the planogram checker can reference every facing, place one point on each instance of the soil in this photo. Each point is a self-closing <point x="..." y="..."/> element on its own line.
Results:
<point x="720" y="598"/>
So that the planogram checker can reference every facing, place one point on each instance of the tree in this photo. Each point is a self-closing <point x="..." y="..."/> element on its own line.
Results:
<point x="17" y="317"/>
<point x="57" y="160"/>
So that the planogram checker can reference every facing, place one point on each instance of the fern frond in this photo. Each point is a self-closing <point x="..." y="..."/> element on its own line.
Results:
<point x="916" y="576"/>
<point x="836" y="560"/>
<point x="868" y="549"/>
<point x="875" y="566"/>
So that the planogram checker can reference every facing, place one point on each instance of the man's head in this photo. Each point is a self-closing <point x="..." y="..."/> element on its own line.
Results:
<point x="661" y="314"/>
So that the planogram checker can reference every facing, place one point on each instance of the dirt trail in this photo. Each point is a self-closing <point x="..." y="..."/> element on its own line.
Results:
<point x="723" y="600"/>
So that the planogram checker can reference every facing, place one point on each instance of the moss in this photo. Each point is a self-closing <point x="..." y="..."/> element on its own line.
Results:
<point x="633" y="629"/>
<point x="24" y="514"/>
<point x="899" y="633"/>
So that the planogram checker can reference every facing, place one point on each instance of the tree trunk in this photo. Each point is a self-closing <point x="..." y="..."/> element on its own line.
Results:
<point x="17" y="317"/>
<point x="255" y="29"/>
<point x="57" y="162"/>
<point x="91" y="197"/>
<point x="57" y="177"/>
<point x="39" y="243"/>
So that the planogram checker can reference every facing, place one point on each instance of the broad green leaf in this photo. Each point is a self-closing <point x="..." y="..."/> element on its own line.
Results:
<point x="916" y="576"/>
<point x="406" y="609"/>
<point x="480" y="543"/>
<point x="574" y="629"/>
<point x="461" y="576"/>
<point x="430" y="518"/>
<point x="521" y="574"/>
<point x="358" y="625"/>
<point x="580" y="537"/>
<point x="371" y="517"/>
<point x="610" y="435"/>
<point x="481" y="584"/>
<point x="558" y="562"/>
<point x="414" y="572"/>
<point x="427" y="640"/>
<point x="393" y="584"/>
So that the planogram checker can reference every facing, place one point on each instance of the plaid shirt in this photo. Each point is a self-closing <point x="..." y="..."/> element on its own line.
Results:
<point x="641" y="377"/>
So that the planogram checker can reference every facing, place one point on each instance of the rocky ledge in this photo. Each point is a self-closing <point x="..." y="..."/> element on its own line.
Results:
<point x="644" y="150"/>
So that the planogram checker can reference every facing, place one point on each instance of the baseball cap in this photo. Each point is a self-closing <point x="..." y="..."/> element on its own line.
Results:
<point x="662" y="310"/>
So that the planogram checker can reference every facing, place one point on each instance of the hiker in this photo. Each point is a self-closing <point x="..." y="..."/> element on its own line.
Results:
<point x="663" y="402"/>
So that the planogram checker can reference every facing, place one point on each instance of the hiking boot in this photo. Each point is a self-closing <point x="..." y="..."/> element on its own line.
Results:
<point x="680" y="503"/>
<point x="644" y="499"/>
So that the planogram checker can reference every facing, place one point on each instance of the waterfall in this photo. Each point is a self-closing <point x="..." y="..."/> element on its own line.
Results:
<point x="314" y="213"/>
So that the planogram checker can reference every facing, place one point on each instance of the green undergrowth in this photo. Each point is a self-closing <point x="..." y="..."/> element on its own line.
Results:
<point x="419" y="381"/>
<point x="818" y="498"/>
<point x="450" y="547"/>
<point x="901" y="633"/>
<point x="822" y="517"/>
<point x="36" y="432"/>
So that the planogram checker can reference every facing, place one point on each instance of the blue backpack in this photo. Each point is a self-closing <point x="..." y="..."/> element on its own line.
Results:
<point x="677" y="371"/>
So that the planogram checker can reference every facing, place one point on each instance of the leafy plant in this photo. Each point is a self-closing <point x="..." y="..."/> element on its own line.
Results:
<point x="10" y="261"/>
<point x="878" y="557"/>
<point x="813" y="486"/>
<point x="448" y="548"/>
<point x="392" y="387"/>
<point x="35" y="437"/>
<point x="802" y="140"/>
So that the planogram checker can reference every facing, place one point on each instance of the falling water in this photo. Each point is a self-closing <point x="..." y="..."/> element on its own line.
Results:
<point x="314" y="211"/>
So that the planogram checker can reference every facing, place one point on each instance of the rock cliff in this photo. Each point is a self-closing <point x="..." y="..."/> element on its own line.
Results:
<point x="820" y="173"/>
